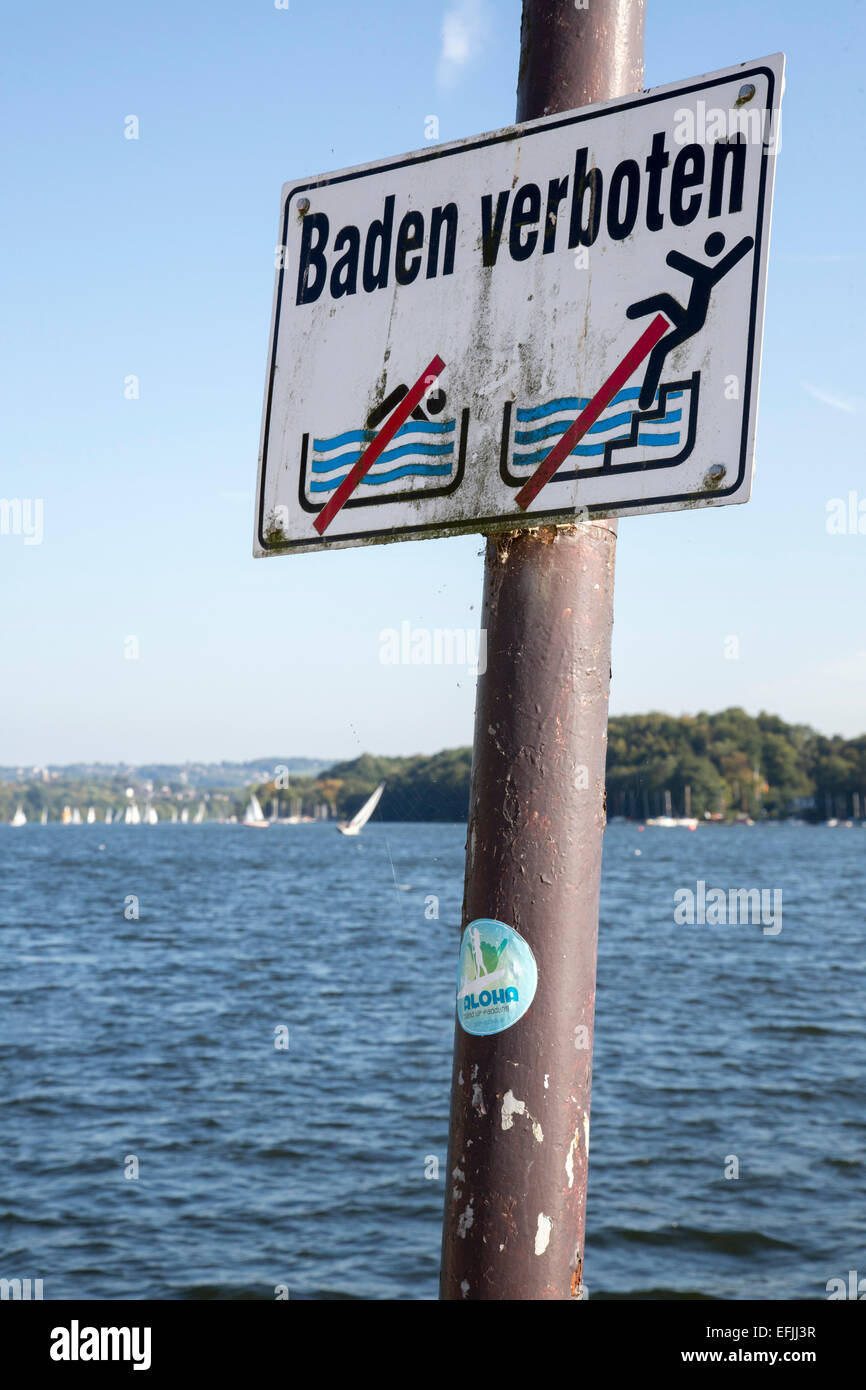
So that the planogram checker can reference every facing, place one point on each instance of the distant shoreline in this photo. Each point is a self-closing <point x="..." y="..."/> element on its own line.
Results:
<point x="727" y="766"/>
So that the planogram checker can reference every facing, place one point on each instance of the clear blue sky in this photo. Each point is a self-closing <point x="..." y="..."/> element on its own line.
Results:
<point x="154" y="257"/>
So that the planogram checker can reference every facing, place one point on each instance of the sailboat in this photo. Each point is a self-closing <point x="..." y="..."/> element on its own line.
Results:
<point x="44" y="817"/>
<point x="184" y="815"/>
<point x="359" y="820"/>
<point x="19" y="818"/>
<point x="254" y="816"/>
<point x="108" y="816"/>
<point x="66" y="817"/>
<point x="150" y="815"/>
<point x="91" y="816"/>
<point x="200" y="814"/>
<point x="76" y="816"/>
<point x="174" y="815"/>
<point x="133" y="815"/>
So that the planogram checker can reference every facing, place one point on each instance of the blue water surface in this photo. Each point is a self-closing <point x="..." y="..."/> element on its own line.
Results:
<point x="152" y="1038"/>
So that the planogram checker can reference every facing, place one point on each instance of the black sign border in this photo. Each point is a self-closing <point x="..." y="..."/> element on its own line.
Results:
<point x="521" y="519"/>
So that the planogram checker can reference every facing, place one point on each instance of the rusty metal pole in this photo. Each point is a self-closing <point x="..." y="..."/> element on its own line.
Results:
<point x="518" y="1150"/>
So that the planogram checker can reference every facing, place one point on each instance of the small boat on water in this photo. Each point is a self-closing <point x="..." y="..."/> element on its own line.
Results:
<point x="43" y="820"/>
<point x="66" y="817"/>
<point x="184" y="815"/>
<point x="150" y="816"/>
<point x="19" y="818"/>
<point x="359" y="820"/>
<point x="76" y="817"/>
<point x="91" y="816"/>
<point x="254" y="816"/>
<point x="108" y="816"/>
<point x="199" y="816"/>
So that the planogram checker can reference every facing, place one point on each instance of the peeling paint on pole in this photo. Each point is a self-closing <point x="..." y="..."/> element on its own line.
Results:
<point x="534" y="858"/>
<point x="535" y="828"/>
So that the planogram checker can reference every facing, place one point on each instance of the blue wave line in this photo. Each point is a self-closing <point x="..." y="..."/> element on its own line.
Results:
<point x="560" y="426"/>
<point x="426" y="470"/>
<point x="654" y="441"/>
<point x="325" y="465"/>
<point x="364" y="436"/>
<point x="537" y="412"/>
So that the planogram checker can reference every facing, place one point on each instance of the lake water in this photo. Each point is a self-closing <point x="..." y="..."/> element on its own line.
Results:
<point x="153" y="1039"/>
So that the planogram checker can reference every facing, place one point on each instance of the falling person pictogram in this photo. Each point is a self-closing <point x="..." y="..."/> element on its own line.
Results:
<point x="690" y="319"/>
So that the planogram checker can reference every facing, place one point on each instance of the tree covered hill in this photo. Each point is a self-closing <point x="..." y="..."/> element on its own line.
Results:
<point x="729" y="763"/>
<point x="416" y="788"/>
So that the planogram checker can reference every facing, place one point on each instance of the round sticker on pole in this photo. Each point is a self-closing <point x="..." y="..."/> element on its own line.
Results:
<point x="496" y="977"/>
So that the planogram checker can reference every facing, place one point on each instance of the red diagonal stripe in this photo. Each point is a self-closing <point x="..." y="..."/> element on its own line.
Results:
<point x="590" y="413"/>
<point x="398" y="417"/>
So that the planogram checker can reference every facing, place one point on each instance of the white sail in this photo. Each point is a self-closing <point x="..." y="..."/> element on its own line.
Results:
<point x="184" y="815"/>
<point x="19" y="818"/>
<point x="108" y="816"/>
<point x="76" y="816"/>
<point x="200" y="814"/>
<point x="133" y="815"/>
<point x="254" y="814"/>
<point x="44" y="818"/>
<point x="359" y="820"/>
<point x="174" y="815"/>
<point x="66" y="817"/>
<point x="150" y="816"/>
<point x="91" y="816"/>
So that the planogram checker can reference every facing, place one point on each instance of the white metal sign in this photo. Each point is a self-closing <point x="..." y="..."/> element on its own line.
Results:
<point x="562" y="318"/>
